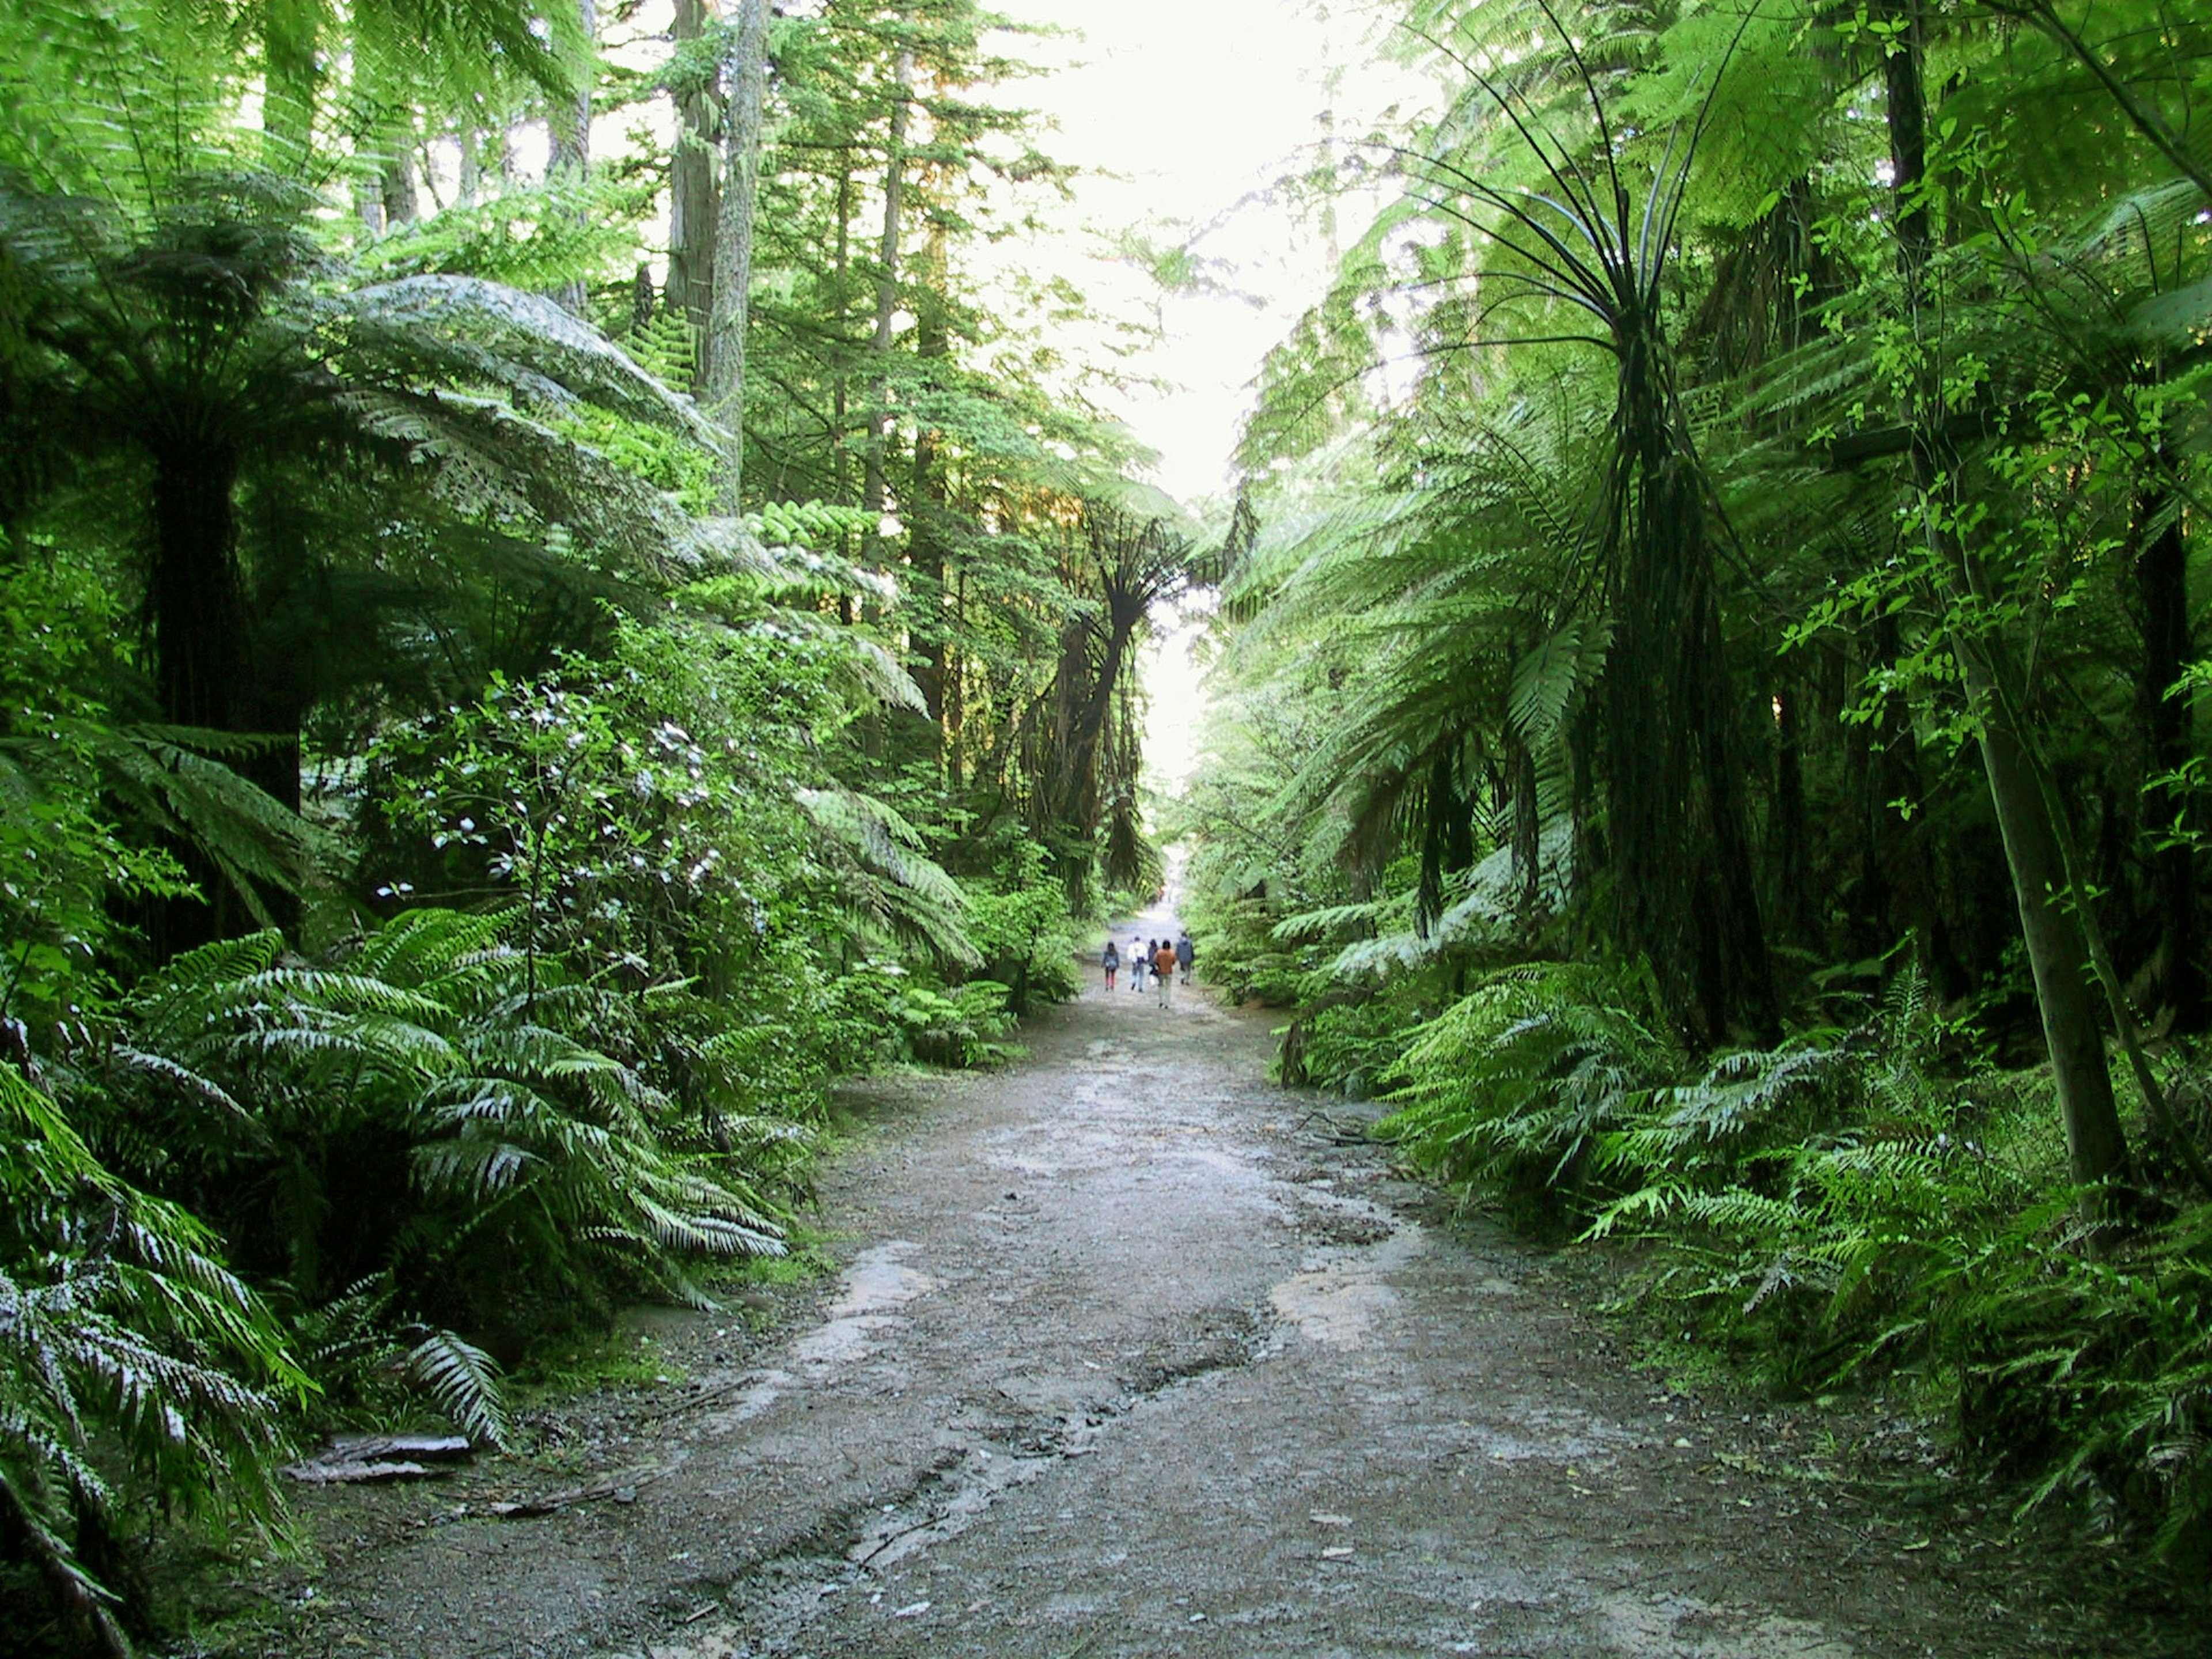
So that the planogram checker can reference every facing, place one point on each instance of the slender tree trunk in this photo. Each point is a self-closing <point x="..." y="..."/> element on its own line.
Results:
<point x="2161" y="574"/>
<point x="872" y="492"/>
<point x="1862" y="819"/>
<point x="2095" y="1146"/>
<point x="956" y="696"/>
<point x="694" y="209"/>
<point x="569" y="129"/>
<point x="925" y="540"/>
<point x="2186" y="160"/>
<point x="2058" y="955"/>
<point x="1790" y="826"/>
<point x="291" y="78"/>
<point x="731" y="314"/>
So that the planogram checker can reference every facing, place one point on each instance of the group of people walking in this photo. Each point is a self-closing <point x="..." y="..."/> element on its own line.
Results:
<point x="1165" y="960"/>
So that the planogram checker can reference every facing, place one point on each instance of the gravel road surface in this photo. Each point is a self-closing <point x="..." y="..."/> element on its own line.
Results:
<point x="1133" y="1353"/>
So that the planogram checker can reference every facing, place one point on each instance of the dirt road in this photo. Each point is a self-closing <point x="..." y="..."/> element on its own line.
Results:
<point x="1132" y="1355"/>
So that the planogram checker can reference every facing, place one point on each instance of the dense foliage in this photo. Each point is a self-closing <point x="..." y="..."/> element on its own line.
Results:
<point x="1713" y="743"/>
<point x="524" y="652"/>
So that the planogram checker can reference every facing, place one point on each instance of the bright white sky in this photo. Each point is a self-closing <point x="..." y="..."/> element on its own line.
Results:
<point x="1181" y="111"/>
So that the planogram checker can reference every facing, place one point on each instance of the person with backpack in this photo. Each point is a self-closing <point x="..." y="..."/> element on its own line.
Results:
<point x="1163" y="969"/>
<point x="1186" y="953"/>
<point x="1111" y="962"/>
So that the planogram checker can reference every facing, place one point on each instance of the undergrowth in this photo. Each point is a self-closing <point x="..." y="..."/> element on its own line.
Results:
<point x="1847" y="1207"/>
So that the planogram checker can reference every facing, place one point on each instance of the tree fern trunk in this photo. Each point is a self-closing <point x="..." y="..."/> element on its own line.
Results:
<point x="1527" y="824"/>
<point x="202" y="673"/>
<point x="1686" y="892"/>
<point x="195" y="604"/>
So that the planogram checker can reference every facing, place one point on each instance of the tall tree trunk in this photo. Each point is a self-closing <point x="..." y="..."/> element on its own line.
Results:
<point x="399" y="183"/>
<point x="925" y="538"/>
<point x="2058" y="954"/>
<point x="724" y="384"/>
<point x="2161" y="574"/>
<point x="569" y="129"/>
<point x="1904" y="87"/>
<point x="887" y="273"/>
<point x="290" y="79"/>
<point x="1086" y="701"/>
<point x="694" y="211"/>
<point x="841" y="387"/>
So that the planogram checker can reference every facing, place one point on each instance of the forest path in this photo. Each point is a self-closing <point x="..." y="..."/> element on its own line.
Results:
<point x="1133" y="1355"/>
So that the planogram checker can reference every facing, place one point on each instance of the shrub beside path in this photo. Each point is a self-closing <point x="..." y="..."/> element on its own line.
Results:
<point x="1133" y="1353"/>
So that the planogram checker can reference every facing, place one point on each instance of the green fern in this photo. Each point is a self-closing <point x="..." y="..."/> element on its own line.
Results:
<point x="499" y="1154"/>
<point x="1512" y="1087"/>
<point x="128" y="1352"/>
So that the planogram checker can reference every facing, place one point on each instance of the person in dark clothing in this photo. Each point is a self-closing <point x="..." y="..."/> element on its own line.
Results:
<point x="1111" y="961"/>
<point x="1186" y="953"/>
